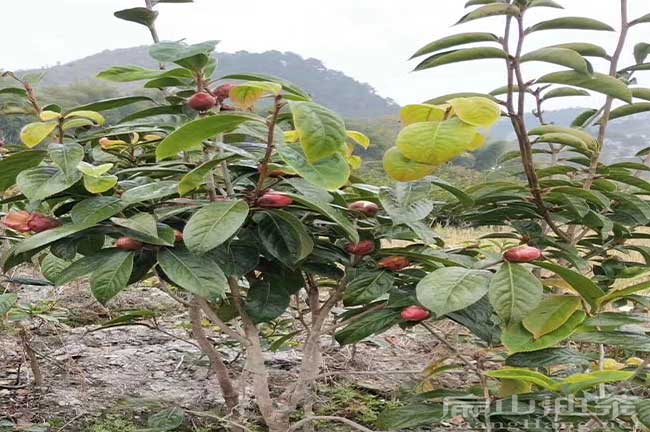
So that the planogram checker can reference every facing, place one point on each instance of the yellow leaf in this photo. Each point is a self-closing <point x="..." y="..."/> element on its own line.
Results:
<point x="247" y="94"/>
<point x="398" y="167"/>
<point x="421" y="113"/>
<point x="435" y="143"/>
<point x="99" y="184"/>
<point x="476" y="111"/>
<point x="477" y="143"/>
<point x="359" y="138"/>
<point x="92" y="115"/>
<point x="33" y="134"/>
<point x="355" y="162"/>
<point x="108" y="144"/>
<point x="92" y="170"/>
<point x="291" y="136"/>
<point x="49" y="115"/>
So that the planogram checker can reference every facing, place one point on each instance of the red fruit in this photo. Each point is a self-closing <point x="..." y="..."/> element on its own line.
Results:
<point x="394" y="263"/>
<point x="415" y="313"/>
<point x="522" y="254"/>
<point x="202" y="101"/>
<point x="178" y="236"/>
<point x="366" y="207"/>
<point x="18" y="221"/>
<point x="274" y="200"/>
<point x="128" y="243"/>
<point x="39" y="222"/>
<point x="364" y="247"/>
<point x="222" y="92"/>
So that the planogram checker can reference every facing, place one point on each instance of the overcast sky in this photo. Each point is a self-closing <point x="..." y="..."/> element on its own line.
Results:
<point x="369" y="40"/>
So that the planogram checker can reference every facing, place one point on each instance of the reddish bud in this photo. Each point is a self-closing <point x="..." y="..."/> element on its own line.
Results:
<point x="128" y="243"/>
<point x="18" y="221"/>
<point x="364" y="247"/>
<point x="225" y="107"/>
<point x="178" y="236"/>
<point x="415" y="313"/>
<point x="274" y="200"/>
<point x="39" y="222"/>
<point x="222" y="92"/>
<point x="394" y="263"/>
<point x="202" y="101"/>
<point x="522" y="254"/>
<point x="366" y="207"/>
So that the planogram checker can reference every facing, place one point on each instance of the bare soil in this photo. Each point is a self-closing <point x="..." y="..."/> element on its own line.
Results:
<point x="139" y="369"/>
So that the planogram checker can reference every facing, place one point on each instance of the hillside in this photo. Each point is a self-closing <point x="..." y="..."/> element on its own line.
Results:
<point x="330" y="87"/>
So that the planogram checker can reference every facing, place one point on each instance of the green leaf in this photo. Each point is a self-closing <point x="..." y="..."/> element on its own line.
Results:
<point x="298" y="94"/>
<point x="628" y="110"/>
<point x="621" y="293"/>
<point x="514" y="292"/>
<point x="551" y="314"/>
<point x="112" y="276"/>
<point x="321" y="131"/>
<point x="461" y="196"/>
<point x="575" y="23"/>
<point x="559" y="56"/>
<point x="330" y="173"/>
<point x="16" y="163"/>
<point x="584" y="49"/>
<point x="140" y="222"/>
<point x="171" y="52"/>
<point x="66" y="156"/>
<point x="641" y="51"/>
<point x="452" y="288"/>
<point x="461" y="55"/>
<point x="109" y="104"/>
<point x="140" y="15"/>
<point x="284" y="237"/>
<point x="153" y="112"/>
<point x="199" y="275"/>
<point x="581" y="120"/>
<point x="435" y="143"/>
<point x="373" y="323"/>
<point x="411" y="416"/>
<point x="171" y="418"/>
<point x="150" y="191"/>
<point x="526" y="375"/>
<point x="195" y="178"/>
<point x="32" y="134"/>
<point x="641" y="93"/>
<point x="643" y="19"/>
<point x="127" y="74"/>
<point x="7" y="301"/>
<point x="623" y="339"/>
<point x="214" y="224"/>
<point x="446" y="98"/>
<point x="545" y="3"/>
<point x="366" y="286"/>
<point x="265" y="303"/>
<point x="582" y="284"/>
<point x="407" y="202"/>
<point x="517" y="339"/>
<point x="597" y="82"/>
<point x="550" y="357"/>
<point x="643" y="406"/>
<point x="578" y="382"/>
<point x="490" y="10"/>
<point x="85" y="266"/>
<point x="237" y="257"/>
<point x="94" y="210"/>
<point x="52" y="266"/>
<point x="455" y="40"/>
<point x="331" y="213"/>
<point x="190" y="136"/>
<point x="44" y="181"/>
<point x="13" y="91"/>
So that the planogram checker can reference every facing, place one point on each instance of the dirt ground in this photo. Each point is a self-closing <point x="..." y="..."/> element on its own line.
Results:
<point x="88" y="374"/>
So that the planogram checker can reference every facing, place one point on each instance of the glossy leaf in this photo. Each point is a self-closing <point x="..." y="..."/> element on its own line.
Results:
<point x="140" y="15"/>
<point x="44" y="181"/>
<point x="526" y="375"/>
<point x="514" y="292"/>
<point x="551" y="314"/>
<point x="434" y="143"/>
<point x="476" y="111"/>
<point x="559" y="56"/>
<point x="284" y="237"/>
<point x="330" y="173"/>
<point x="450" y="289"/>
<point x="32" y="134"/>
<point x="16" y="163"/>
<point x="66" y="156"/>
<point x="455" y="40"/>
<point x="421" y="113"/>
<point x="490" y="10"/>
<point x="597" y="82"/>
<point x="190" y="136"/>
<point x="111" y="276"/>
<point x="402" y="169"/>
<point x="575" y="23"/>
<point x="213" y="225"/>
<point x="331" y="213"/>
<point x="371" y="324"/>
<point x="461" y="55"/>
<point x="265" y="303"/>
<point x="517" y="339"/>
<point x="366" y="286"/>
<point x="321" y="131"/>
<point x="550" y="357"/>
<point x="150" y="191"/>
<point x="199" y="275"/>
<point x="581" y="284"/>
<point x="245" y="95"/>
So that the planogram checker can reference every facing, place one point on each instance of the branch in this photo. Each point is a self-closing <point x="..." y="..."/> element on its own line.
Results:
<point x="225" y="328"/>
<point x="269" y="145"/>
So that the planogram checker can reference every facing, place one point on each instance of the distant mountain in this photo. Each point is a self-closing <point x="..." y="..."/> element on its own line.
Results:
<point x="329" y="87"/>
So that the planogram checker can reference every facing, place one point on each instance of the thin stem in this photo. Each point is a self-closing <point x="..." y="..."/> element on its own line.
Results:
<point x="225" y="328"/>
<point x="269" y="146"/>
<point x="613" y="68"/>
<point x="31" y="356"/>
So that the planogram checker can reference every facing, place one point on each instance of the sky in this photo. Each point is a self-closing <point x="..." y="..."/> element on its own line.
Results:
<point x="370" y="40"/>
